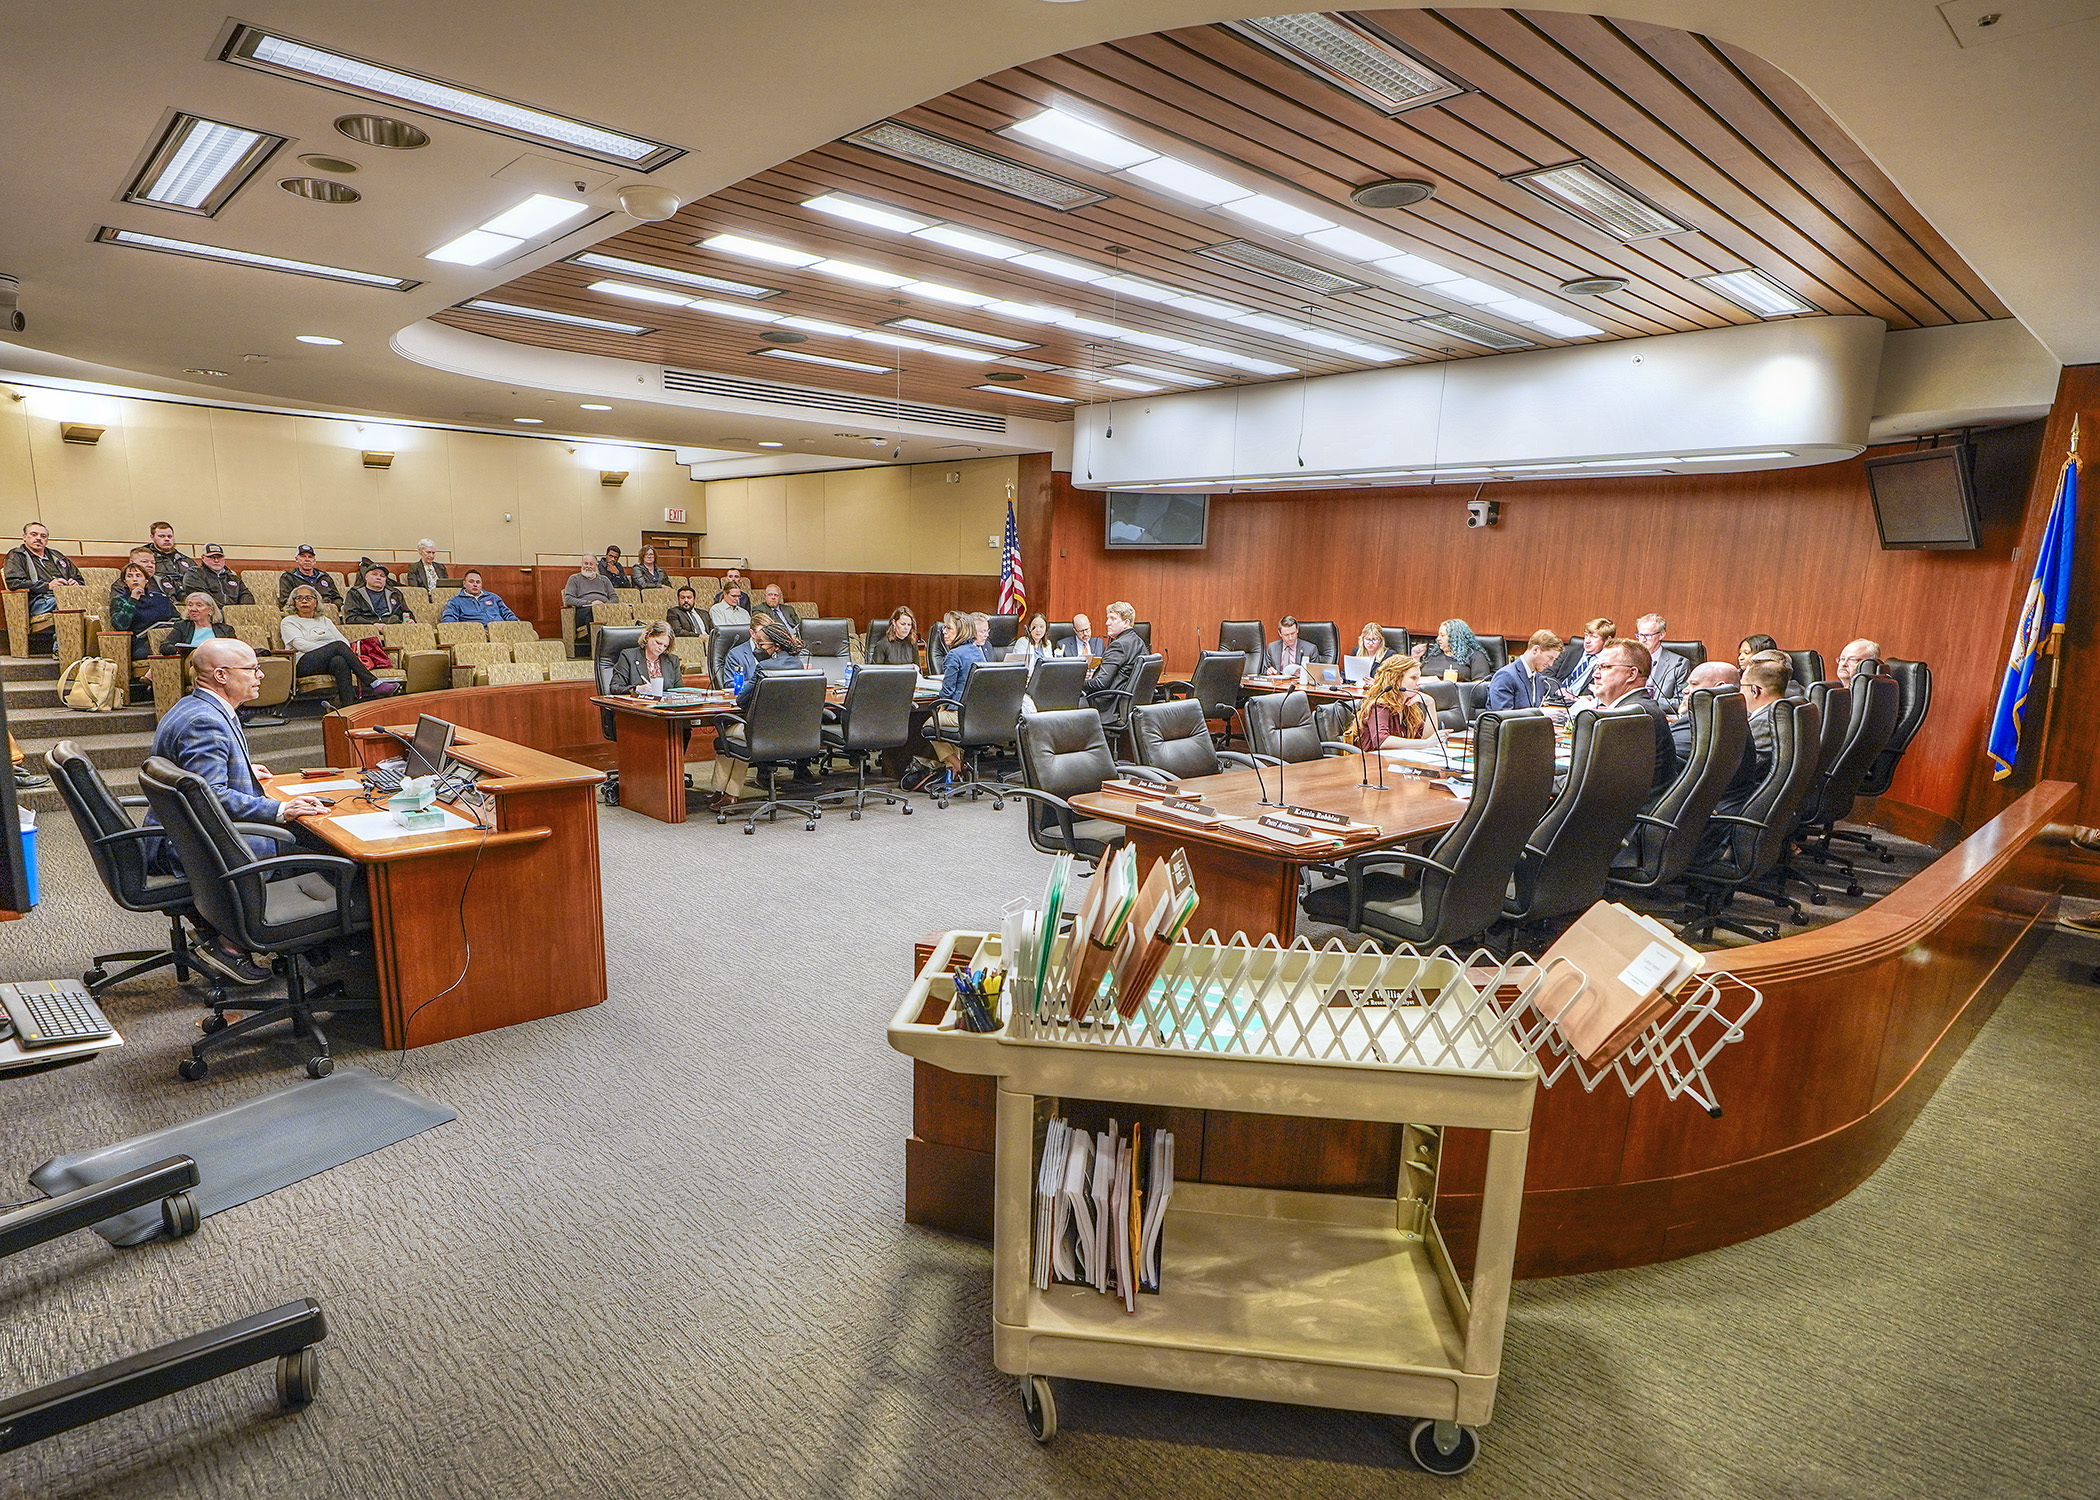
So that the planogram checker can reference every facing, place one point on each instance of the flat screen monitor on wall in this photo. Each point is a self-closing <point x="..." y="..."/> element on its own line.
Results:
<point x="1136" y="519"/>
<point x="1925" y="500"/>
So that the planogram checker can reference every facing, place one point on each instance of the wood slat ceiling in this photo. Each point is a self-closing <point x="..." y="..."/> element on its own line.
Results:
<point x="1718" y="137"/>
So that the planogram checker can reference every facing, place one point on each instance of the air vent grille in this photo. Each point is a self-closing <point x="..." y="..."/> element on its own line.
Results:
<point x="1460" y="326"/>
<point x="1282" y="267"/>
<point x="699" y="383"/>
<point x="966" y="162"/>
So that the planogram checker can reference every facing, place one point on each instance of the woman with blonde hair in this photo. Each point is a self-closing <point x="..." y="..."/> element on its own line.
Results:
<point x="1396" y="712"/>
<point x="1370" y="643"/>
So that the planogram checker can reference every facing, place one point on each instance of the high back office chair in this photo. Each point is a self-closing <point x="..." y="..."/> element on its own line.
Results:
<point x="1002" y="631"/>
<point x="1808" y="666"/>
<point x="255" y="904"/>
<point x="827" y="638"/>
<point x="783" y="725"/>
<point x="1397" y="639"/>
<point x="1835" y="705"/>
<point x="1175" y="738"/>
<point x="1214" y="686"/>
<point x="605" y="650"/>
<point x="1565" y="862"/>
<point x="875" y="717"/>
<point x="1450" y="706"/>
<point x="118" y="848"/>
<point x="985" y="719"/>
<point x="1063" y="755"/>
<point x="1472" y="700"/>
<point x="1280" y="728"/>
<point x="1914" y="700"/>
<point x="1456" y="890"/>
<point x="1060" y="632"/>
<point x="1692" y="651"/>
<point x="1332" y="720"/>
<point x="936" y="648"/>
<point x="1057" y="682"/>
<point x="1144" y="632"/>
<point x="1247" y="637"/>
<point x="1114" y="703"/>
<point x="1666" y="837"/>
<point x="1753" y="839"/>
<point x="1497" y="649"/>
<point x="722" y="640"/>
<point x="1876" y="702"/>
<point x="1322" y="637"/>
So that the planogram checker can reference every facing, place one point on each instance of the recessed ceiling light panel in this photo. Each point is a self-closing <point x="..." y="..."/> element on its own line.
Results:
<point x="822" y="359"/>
<point x="676" y="277"/>
<point x="198" y="164"/>
<point x="1459" y="326"/>
<point x="1600" y="200"/>
<point x="1753" y="291"/>
<point x="1014" y="390"/>
<point x="1283" y="268"/>
<point x="252" y="47"/>
<point x="109" y="236"/>
<point x="972" y="165"/>
<point x="1351" y="57"/>
<point x="542" y="315"/>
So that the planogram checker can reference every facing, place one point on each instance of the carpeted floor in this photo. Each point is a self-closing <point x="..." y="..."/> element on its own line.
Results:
<point x="661" y="1252"/>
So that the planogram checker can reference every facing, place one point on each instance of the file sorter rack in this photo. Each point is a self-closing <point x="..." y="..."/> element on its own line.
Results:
<point x="1320" y="1299"/>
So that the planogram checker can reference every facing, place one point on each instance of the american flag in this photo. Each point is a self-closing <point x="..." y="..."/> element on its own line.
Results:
<point x="1013" y="589"/>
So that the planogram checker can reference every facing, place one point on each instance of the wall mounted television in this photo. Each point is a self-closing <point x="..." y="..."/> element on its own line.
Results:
<point x="1139" y="519"/>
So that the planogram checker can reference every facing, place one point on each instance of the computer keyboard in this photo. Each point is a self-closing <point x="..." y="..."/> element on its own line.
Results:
<point x="383" y="779"/>
<point x="47" y="1012"/>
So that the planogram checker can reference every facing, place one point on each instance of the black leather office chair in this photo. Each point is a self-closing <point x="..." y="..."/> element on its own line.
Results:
<point x="1834" y="703"/>
<point x="1457" y="889"/>
<point x="1876" y="701"/>
<point x="784" y="725"/>
<point x="1281" y="730"/>
<point x="875" y="717"/>
<point x="936" y="649"/>
<point x="1248" y="637"/>
<point x="1450" y="703"/>
<point x="1002" y="631"/>
<point x="1058" y="682"/>
<point x="1061" y="631"/>
<point x="1063" y="755"/>
<point x="720" y="642"/>
<point x="1754" y="838"/>
<point x="1472" y="700"/>
<point x="1914" y="688"/>
<point x="256" y="905"/>
<point x="1114" y="704"/>
<point x="1567" y="859"/>
<point x="1175" y="738"/>
<point x="985" y="719"/>
<point x="825" y="638"/>
<point x="1692" y="651"/>
<point x="612" y="640"/>
<point x="1808" y="666"/>
<point x="1332" y="719"/>
<point x="1321" y="637"/>
<point x="1397" y="639"/>
<point x="118" y="849"/>
<point x="1497" y="649"/>
<point x="1144" y="632"/>
<point x="1666" y="837"/>
<point x="1215" y="684"/>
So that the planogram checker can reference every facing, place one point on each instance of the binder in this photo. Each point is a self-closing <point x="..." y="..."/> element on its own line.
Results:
<point x="1164" y="905"/>
<point x="1100" y="928"/>
<point x="1626" y="971"/>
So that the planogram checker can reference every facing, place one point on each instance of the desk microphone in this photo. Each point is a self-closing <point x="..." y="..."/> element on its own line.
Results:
<point x="1436" y="722"/>
<point x="1262" y="782"/>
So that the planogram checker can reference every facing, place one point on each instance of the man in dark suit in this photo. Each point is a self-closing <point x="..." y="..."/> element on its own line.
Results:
<point x="1082" y="642"/>
<point x="1524" y="683"/>
<point x="1287" y="653"/>
<point x="1618" y="677"/>
<point x="1666" y="685"/>
<point x="1120" y="653"/>
<point x="685" y="617"/>
<point x="774" y="607"/>
<point x="1708" y="674"/>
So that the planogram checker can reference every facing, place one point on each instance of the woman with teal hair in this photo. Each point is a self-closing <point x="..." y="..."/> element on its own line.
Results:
<point x="1457" y="654"/>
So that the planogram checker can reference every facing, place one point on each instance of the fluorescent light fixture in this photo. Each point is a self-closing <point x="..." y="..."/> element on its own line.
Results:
<point x="735" y="310"/>
<point x="1414" y="270"/>
<point x="1350" y="244"/>
<point x="651" y="294"/>
<point x="595" y="406"/>
<point x="1474" y="332"/>
<point x="1518" y="308"/>
<point x="199" y="164"/>
<point x="1352" y="57"/>
<point x="763" y="444"/>
<point x="1171" y="377"/>
<point x="1053" y="265"/>
<point x="1625" y="463"/>
<point x="1375" y="354"/>
<point x="693" y="279"/>
<point x="1014" y="390"/>
<point x="1075" y="137"/>
<point x="952" y="351"/>
<point x="1003" y="174"/>
<point x="1563" y="327"/>
<point x="1185" y="181"/>
<point x="1128" y="385"/>
<point x="1720" y="458"/>
<point x="317" y="338"/>
<point x="1239" y="361"/>
<point x="1754" y="291"/>
<point x="1467" y="289"/>
<point x="1263" y="209"/>
<point x="822" y="359"/>
<point x="1138" y="287"/>
<point x="937" y="292"/>
<point x="108" y="236"/>
<point x="535" y="216"/>
<point x="1600" y="200"/>
<point x="956" y="238"/>
<point x="1205" y="307"/>
<point x="894" y="340"/>
<point x="1026" y="312"/>
<point x="862" y="210"/>
<point x="1094" y="326"/>
<point x="1156" y="341"/>
<point x="1301" y="274"/>
<point x="529" y="421"/>
<point x="475" y="247"/>
<point x="850" y="270"/>
<point x="779" y="255"/>
<point x="967" y="335"/>
<point x="818" y="325"/>
<point x="252" y="47"/>
<point x="541" y="315"/>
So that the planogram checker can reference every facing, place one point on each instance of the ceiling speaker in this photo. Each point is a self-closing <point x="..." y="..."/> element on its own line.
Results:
<point x="1594" y="286"/>
<point x="1401" y="192"/>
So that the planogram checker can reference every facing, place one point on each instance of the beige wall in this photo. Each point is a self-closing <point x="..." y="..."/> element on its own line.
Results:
<point x="909" y="519"/>
<point x="262" y="483"/>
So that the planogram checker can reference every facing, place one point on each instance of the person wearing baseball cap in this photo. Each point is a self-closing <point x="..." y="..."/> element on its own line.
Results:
<point x="212" y="576"/>
<point x="307" y="574"/>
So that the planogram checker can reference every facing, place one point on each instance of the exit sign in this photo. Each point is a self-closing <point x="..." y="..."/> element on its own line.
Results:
<point x="674" y="517"/>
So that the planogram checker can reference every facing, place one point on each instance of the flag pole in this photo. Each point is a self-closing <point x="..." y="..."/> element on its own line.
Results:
<point x="2055" y="647"/>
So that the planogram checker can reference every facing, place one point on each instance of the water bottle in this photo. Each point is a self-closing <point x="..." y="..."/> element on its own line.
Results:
<point x="849" y="674"/>
<point x="736" y="682"/>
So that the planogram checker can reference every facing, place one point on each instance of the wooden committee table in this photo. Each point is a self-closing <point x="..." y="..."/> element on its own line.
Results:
<point x="525" y="893"/>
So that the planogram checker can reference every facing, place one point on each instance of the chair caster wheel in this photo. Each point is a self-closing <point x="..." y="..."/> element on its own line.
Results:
<point x="750" y="828"/>
<point x="1888" y="859"/>
<point x="1852" y="890"/>
<point x="94" y="977"/>
<point x="997" y="805"/>
<point x="213" y="1022"/>
<point x="1819" y="899"/>
<point x="1799" y="918"/>
<point x="192" y="1068"/>
<point x="298" y="1378"/>
<point x="942" y="804"/>
<point x="319" y="1067"/>
<point x="809" y="827"/>
<point x="178" y="1214"/>
<point x="720" y="820"/>
<point x="853" y="816"/>
<point x="907" y="809"/>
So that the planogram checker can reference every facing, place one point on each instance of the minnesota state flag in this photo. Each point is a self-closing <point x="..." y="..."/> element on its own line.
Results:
<point x="2041" y="621"/>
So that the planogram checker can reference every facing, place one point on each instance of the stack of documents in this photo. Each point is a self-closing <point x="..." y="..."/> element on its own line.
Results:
<point x="1101" y="1208"/>
<point x="1621" y="975"/>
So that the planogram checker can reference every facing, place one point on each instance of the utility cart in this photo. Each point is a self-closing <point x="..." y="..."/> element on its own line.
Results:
<point x="1320" y="1299"/>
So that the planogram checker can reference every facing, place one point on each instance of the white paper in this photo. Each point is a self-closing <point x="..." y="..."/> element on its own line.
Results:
<point x="1645" y="974"/>
<point x="1075" y="1220"/>
<point x="1104" y="1185"/>
<point x="375" y="826"/>
<point x="314" y="788"/>
<point x="652" y="687"/>
<point x="1156" y="1207"/>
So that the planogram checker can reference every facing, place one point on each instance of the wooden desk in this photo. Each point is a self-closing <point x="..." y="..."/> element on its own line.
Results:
<point x="650" y="741"/>
<point x="1250" y="886"/>
<point x="532" y="910"/>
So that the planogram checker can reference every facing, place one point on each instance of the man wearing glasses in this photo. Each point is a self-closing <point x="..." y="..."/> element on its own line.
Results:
<point x="202" y="733"/>
<point x="1666" y="684"/>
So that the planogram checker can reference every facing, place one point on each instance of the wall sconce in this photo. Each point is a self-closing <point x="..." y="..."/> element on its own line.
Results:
<point x="612" y="479"/>
<point x="80" y="432"/>
<point x="377" y="460"/>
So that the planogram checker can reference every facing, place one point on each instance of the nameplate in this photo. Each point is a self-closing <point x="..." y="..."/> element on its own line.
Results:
<point x="1284" y="825"/>
<point x="1315" y="814"/>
